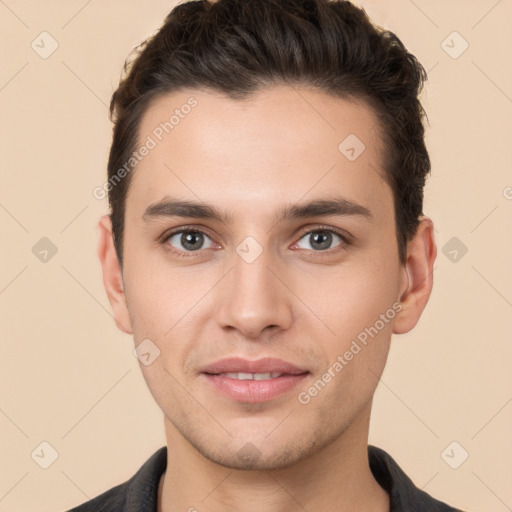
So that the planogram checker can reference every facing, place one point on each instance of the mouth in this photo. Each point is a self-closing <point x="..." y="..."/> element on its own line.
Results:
<point x="258" y="381"/>
<point x="250" y="376"/>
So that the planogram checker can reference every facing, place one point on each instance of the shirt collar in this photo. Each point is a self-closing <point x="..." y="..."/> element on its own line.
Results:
<point x="142" y="489"/>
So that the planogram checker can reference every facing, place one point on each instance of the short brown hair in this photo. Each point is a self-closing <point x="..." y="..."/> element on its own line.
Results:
<point x="237" y="47"/>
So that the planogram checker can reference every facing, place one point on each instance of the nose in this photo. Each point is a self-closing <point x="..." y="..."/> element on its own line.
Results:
<point x="255" y="299"/>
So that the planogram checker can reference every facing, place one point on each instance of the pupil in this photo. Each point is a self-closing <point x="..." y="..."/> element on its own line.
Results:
<point x="189" y="240"/>
<point x="323" y="238"/>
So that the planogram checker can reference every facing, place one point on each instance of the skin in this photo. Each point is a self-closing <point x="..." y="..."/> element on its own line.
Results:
<point x="295" y="302"/>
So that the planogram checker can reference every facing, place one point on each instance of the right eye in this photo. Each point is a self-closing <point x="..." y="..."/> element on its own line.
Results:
<point x="187" y="240"/>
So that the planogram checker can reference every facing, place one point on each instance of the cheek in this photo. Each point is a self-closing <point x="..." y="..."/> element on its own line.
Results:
<point x="154" y="296"/>
<point x="353" y="336"/>
<point x="359" y="315"/>
<point x="165" y="301"/>
<point x="348" y="298"/>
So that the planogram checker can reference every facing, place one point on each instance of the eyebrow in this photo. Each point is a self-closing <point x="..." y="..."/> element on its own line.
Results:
<point x="338" y="206"/>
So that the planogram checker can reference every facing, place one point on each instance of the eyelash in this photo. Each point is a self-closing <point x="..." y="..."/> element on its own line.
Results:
<point x="345" y="241"/>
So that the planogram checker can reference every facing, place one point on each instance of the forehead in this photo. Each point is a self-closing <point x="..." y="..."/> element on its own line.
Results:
<point x="280" y="144"/>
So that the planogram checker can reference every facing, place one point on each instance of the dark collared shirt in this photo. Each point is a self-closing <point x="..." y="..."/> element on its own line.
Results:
<point x="140" y="493"/>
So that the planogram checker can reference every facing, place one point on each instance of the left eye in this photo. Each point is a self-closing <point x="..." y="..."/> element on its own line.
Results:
<point x="319" y="239"/>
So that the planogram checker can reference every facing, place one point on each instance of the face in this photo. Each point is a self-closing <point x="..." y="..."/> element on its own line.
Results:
<point x="266" y="277"/>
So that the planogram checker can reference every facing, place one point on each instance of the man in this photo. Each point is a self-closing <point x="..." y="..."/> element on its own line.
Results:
<point x="266" y="239"/>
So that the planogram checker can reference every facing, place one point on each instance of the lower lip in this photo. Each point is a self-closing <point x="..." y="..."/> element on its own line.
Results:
<point x="254" y="391"/>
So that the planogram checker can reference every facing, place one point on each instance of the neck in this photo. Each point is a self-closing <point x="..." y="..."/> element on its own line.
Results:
<point x="336" y="478"/>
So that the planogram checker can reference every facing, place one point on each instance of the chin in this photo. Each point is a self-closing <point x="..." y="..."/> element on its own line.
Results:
<point x="250" y="458"/>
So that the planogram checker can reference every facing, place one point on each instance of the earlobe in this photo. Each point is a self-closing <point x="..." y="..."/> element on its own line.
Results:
<point x="418" y="277"/>
<point x="112" y="275"/>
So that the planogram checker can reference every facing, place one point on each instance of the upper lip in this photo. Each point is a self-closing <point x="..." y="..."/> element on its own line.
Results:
<point x="240" y="365"/>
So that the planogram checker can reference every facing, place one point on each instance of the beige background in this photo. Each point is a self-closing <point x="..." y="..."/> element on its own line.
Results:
<point x="68" y="376"/>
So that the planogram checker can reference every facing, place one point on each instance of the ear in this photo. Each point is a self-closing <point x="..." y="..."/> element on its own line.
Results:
<point x="417" y="277"/>
<point x="112" y="275"/>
